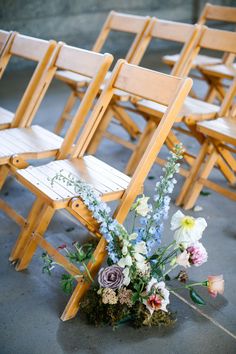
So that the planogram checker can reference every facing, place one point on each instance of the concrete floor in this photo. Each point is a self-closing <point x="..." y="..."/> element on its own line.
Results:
<point x="31" y="302"/>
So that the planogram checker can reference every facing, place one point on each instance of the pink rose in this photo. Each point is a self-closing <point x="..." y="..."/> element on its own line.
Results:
<point x="215" y="285"/>
<point x="197" y="254"/>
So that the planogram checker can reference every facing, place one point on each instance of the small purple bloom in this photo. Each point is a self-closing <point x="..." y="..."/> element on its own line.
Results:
<point x="111" y="277"/>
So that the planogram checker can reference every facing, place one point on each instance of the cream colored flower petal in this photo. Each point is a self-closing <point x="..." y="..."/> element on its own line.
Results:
<point x="125" y="261"/>
<point x="133" y="236"/>
<point x="176" y="220"/>
<point x="201" y="224"/>
<point x="183" y="259"/>
<point x="140" y="248"/>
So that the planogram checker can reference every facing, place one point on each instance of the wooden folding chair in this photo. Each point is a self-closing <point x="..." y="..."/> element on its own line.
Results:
<point x="217" y="75"/>
<point x="214" y="13"/>
<point x="36" y="50"/>
<point x="111" y="184"/>
<point x="219" y="142"/>
<point x="115" y="21"/>
<point x="186" y="34"/>
<point x="26" y="141"/>
<point x="193" y="110"/>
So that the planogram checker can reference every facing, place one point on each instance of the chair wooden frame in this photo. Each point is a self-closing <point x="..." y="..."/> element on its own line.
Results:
<point x="134" y="80"/>
<point x="219" y="140"/>
<point x="183" y="33"/>
<point x="193" y="110"/>
<point x="218" y="13"/>
<point x="226" y="42"/>
<point x="34" y="49"/>
<point x="5" y="37"/>
<point x="115" y="22"/>
<point x="26" y="141"/>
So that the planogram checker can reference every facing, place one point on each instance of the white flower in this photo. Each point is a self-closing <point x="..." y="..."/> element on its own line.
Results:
<point x="188" y="229"/>
<point x="158" y="296"/>
<point x="133" y="236"/>
<point x="125" y="247"/>
<point x="143" y="267"/>
<point x="140" y="247"/>
<point x="125" y="261"/>
<point x="126" y="280"/>
<point x="183" y="259"/>
<point x="142" y="207"/>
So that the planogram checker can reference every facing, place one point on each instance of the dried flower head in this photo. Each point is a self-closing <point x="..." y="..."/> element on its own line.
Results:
<point x="182" y="276"/>
<point x="125" y="297"/>
<point x="109" y="296"/>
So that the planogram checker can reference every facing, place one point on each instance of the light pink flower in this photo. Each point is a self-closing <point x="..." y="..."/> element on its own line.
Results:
<point x="197" y="254"/>
<point x="215" y="285"/>
<point x="183" y="259"/>
<point x="154" y="302"/>
<point x="159" y="297"/>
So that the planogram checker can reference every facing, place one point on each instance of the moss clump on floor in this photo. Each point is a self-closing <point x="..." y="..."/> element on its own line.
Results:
<point x="100" y="314"/>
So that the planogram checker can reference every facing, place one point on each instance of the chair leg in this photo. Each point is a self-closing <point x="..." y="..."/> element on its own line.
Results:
<point x="126" y="121"/>
<point x="3" y="175"/>
<point x="192" y="175"/>
<point x="193" y="194"/>
<point x="26" y="231"/>
<point x="225" y="167"/>
<point x="227" y="155"/>
<point x="72" y="306"/>
<point x="140" y="147"/>
<point x="44" y="218"/>
<point x="210" y="95"/>
<point x="92" y="148"/>
<point x="66" y="111"/>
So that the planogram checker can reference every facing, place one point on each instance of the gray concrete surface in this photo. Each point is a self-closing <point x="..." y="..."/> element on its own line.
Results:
<point x="78" y="22"/>
<point x="31" y="302"/>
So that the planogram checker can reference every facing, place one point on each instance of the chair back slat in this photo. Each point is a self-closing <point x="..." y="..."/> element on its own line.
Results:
<point x="127" y="23"/>
<point x="122" y="23"/>
<point x="28" y="47"/>
<point x="160" y="88"/>
<point x="220" y="13"/>
<point x="172" y="31"/>
<point x="80" y="61"/>
<point x="219" y="40"/>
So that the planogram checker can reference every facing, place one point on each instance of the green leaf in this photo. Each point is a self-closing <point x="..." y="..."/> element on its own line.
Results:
<point x="67" y="283"/>
<point x="205" y="193"/>
<point x="167" y="278"/>
<point x="135" y="297"/>
<point x="109" y="262"/>
<point x="196" y="298"/>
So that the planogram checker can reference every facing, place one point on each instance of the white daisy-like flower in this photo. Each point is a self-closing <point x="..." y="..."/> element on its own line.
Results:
<point x="188" y="229"/>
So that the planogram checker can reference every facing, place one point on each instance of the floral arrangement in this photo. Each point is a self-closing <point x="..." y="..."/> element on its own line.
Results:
<point x="133" y="284"/>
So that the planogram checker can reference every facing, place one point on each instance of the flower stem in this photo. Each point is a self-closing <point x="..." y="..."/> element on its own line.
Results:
<point x="168" y="271"/>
